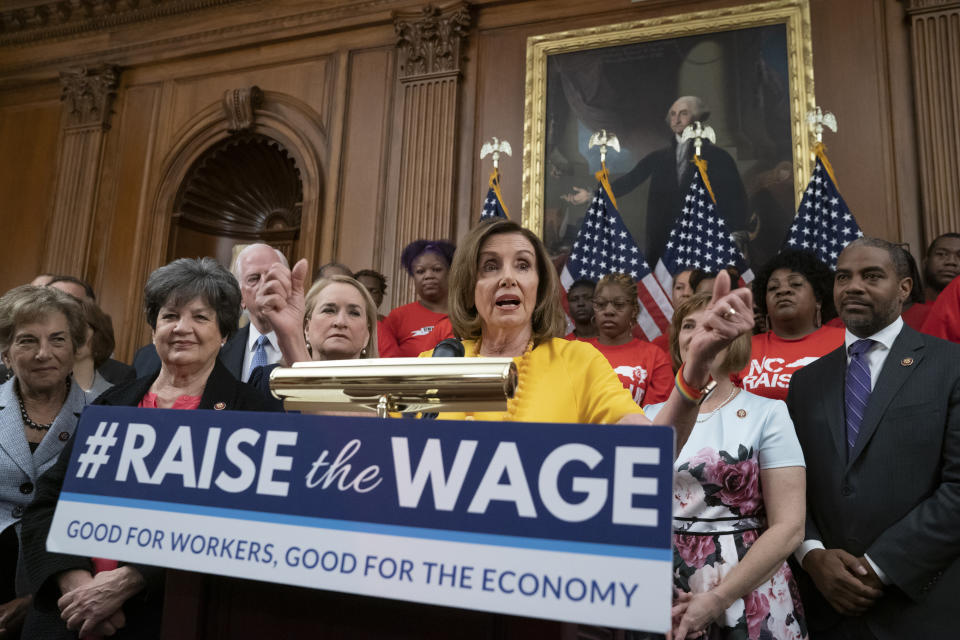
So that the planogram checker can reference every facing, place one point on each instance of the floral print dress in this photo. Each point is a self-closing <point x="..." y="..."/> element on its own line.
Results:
<point x="719" y="513"/>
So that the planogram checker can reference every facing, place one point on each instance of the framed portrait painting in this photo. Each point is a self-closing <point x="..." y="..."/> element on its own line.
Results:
<point x="746" y="71"/>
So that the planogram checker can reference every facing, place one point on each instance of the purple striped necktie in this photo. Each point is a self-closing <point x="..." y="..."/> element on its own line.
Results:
<point x="857" y="389"/>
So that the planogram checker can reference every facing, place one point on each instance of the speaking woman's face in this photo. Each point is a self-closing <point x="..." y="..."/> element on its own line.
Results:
<point x="506" y="291"/>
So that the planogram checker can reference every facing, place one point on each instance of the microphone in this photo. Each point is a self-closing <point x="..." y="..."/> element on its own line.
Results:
<point x="449" y="348"/>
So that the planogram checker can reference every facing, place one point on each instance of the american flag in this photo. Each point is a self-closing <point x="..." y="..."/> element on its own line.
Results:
<point x="493" y="206"/>
<point x="824" y="224"/>
<point x="604" y="245"/>
<point x="699" y="239"/>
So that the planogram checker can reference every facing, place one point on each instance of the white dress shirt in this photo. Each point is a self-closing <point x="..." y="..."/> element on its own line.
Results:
<point x="273" y="351"/>
<point x="876" y="355"/>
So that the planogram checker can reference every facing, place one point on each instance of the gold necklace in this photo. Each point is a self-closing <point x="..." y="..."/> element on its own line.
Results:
<point x="733" y="392"/>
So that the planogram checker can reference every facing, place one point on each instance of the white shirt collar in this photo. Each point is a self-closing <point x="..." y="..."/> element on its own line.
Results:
<point x="885" y="336"/>
<point x="255" y="334"/>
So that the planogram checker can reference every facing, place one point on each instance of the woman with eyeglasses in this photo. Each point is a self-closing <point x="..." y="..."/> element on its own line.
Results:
<point x="643" y="369"/>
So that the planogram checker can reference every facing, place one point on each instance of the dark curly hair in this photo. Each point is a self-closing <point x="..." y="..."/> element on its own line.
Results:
<point x="819" y="275"/>
<point x="417" y="248"/>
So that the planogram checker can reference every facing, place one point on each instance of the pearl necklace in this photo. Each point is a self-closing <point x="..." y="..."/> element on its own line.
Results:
<point x="719" y="406"/>
<point x="26" y="418"/>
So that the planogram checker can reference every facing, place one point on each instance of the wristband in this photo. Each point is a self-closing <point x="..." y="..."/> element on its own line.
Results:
<point x="696" y="396"/>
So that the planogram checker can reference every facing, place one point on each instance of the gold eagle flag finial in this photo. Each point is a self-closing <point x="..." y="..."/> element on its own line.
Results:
<point x="495" y="146"/>
<point x="818" y="119"/>
<point x="603" y="140"/>
<point x="697" y="132"/>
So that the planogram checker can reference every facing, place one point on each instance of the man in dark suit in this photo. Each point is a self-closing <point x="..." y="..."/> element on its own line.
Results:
<point x="670" y="171"/>
<point x="879" y="423"/>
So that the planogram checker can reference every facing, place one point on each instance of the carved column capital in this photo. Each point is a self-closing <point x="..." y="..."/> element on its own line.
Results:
<point x="430" y="40"/>
<point x="922" y="6"/>
<point x="88" y="93"/>
<point x="240" y="105"/>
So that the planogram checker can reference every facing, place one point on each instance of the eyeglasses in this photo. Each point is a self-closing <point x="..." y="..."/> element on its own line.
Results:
<point x="619" y="304"/>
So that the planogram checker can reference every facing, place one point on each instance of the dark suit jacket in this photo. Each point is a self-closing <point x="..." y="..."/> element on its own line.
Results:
<point x="897" y="499"/>
<point x="147" y="362"/>
<point x="665" y="198"/>
<point x="143" y="611"/>
<point x="116" y="372"/>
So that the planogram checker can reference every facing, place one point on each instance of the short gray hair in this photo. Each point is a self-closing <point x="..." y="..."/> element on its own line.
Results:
<point x="235" y="269"/>
<point x="183" y="280"/>
<point x="700" y="109"/>
<point x="29" y="303"/>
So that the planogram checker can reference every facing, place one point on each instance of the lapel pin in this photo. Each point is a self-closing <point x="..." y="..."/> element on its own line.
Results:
<point x="906" y="362"/>
<point x="741" y="413"/>
<point x="64" y="436"/>
<point x="220" y="406"/>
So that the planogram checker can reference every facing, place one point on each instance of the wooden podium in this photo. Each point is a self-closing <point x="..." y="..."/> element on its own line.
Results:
<point x="208" y="607"/>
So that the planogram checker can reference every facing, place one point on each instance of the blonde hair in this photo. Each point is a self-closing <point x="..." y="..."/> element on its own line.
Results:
<point x="738" y="353"/>
<point x="548" y="319"/>
<point x="310" y="303"/>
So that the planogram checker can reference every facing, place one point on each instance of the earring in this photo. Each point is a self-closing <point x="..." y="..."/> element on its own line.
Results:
<point x="817" y="321"/>
<point x="363" y="352"/>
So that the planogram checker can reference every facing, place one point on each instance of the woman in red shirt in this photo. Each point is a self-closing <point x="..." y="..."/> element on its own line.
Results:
<point x="416" y="327"/>
<point x="795" y="292"/>
<point x="643" y="369"/>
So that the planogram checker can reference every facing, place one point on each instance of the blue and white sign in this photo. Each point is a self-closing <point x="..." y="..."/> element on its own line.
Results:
<point x="565" y="522"/>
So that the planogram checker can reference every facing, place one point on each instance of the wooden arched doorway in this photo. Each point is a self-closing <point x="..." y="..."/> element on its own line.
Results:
<point x="245" y="188"/>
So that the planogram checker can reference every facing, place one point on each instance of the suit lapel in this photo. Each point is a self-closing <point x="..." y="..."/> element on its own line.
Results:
<point x="12" y="440"/>
<point x="832" y="399"/>
<point x="893" y="374"/>
<point x="66" y="422"/>
<point x="233" y="351"/>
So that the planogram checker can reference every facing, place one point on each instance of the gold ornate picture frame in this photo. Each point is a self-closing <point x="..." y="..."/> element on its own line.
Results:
<point x="752" y="64"/>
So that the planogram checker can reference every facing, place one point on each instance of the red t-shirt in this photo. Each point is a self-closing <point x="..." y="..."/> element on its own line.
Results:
<point x="643" y="369"/>
<point x="573" y="336"/>
<point x="915" y="316"/>
<point x="773" y="360"/>
<point x="943" y="321"/>
<point x="663" y="342"/>
<point x="410" y="330"/>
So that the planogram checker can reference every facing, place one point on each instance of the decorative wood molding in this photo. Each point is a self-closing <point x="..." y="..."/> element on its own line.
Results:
<point x="88" y="94"/>
<point x="430" y="40"/>
<point x="935" y="58"/>
<point x="240" y="106"/>
<point x="920" y="6"/>
<point x="244" y="187"/>
<point x="41" y="20"/>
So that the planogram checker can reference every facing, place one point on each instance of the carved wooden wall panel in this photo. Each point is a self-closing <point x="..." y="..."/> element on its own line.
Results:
<point x="935" y="34"/>
<point x="88" y="95"/>
<point x="28" y="156"/>
<point x="115" y="248"/>
<point x="429" y="69"/>
<point x="365" y="164"/>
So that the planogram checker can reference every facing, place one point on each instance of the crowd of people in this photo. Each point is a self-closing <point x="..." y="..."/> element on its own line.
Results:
<point x="817" y="465"/>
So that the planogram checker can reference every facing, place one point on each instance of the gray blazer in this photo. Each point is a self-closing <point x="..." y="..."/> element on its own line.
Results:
<point x="19" y="469"/>
<point x="897" y="498"/>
